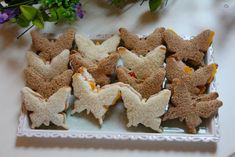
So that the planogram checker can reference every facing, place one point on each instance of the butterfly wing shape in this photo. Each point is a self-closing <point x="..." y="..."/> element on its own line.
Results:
<point x="46" y="87"/>
<point x="130" y="59"/>
<point x="193" y="79"/>
<point x="40" y="43"/>
<point x="142" y="111"/>
<point x="45" y="111"/>
<point x="32" y="100"/>
<point x="204" y="75"/>
<point x="189" y="50"/>
<point x="177" y="69"/>
<point x="205" y="107"/>
<point x="111" y="44"/>
<point x="203" y="40"/>
<point x="101" y="70"/>
<point x="124" y="76"/>
<point x="182" y="106"/>
<point x="142" y="46"/>
<point x="58" y="103"/>
<point x="49" y="70"/>
<point x="190" y="108"/>
<point x="49" y="49"/>
<point x="105" y="68"/>
<point x="172" y="41"/>
<point x="147" y="87"/>
<point x="65" y="41"/>
<point x="206" y="97"/>
<point x="143" y="66"/>
<point x="198" y="80"/>
<point x="155" y="107"/>
<point x="77" y="61"/>
<point x="108" y="64"/>
<point x="181" y="101"/>
<point x="208" y="108"/>
<point x="92" y="98"/>
<point x="96" y="52"/>
<point x="130" y="39"/>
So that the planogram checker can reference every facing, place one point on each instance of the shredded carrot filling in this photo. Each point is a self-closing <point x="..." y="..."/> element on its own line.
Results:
<point x="97" y="43"/>
<point x="163" y="48"/>
<point x="92" y="85"/>
<point x="188" y="70"/>
<point x="202" y="89"/>
<point x="81" y="69"/>
<point x="210" y="39"/>
<point x="121" y="50"/>
<point x="116" y="98"/>
<point x="213" y="73"/>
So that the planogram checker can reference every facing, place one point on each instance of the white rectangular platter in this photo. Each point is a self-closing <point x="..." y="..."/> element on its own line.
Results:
<point x="82" y="126"/>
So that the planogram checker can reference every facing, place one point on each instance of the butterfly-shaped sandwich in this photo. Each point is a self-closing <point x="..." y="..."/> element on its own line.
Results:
<point x="195" y="80"/>
<point x="46" y="87"/>
<point x="44" y="111"/>
<point x="145" y="111"/>
<point x="49" y="69"/>
<point x="96" y="52"/>
<point x="91" y="97"/>
<point x="191" y="109"/>
<point x="49" y="49"/>
<point x="142" y="46"/>
<point x="143" y="66"/>
<point x="101" y="70"/>
<point x="146" y="87"/>
<point x="192" y="51"/>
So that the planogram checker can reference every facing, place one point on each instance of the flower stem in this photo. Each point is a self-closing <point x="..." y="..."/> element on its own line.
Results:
<point x="18" y="37"/>
<point x="22" y="3"/>
<point x="142" y="2"/>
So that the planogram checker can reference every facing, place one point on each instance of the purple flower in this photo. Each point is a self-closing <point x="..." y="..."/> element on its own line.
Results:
<point x="3" y="17"/>
<point x="79" y="12"/>
<point x="8" y="14"/>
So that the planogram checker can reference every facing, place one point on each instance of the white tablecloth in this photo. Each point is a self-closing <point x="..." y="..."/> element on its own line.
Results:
<point x="185" y="17"/>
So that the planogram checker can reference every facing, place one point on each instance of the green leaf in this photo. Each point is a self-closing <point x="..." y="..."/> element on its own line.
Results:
<point x="38" y="21"/>
<point x="44" y="15"/>
<point x="13" y="20"/>
<point x="154" y="4"/>
<point x="28" y="12"/>
<point x="116" y="2"/>
<point x="22" y="21"/>
<point x="53" y="16"/>
<point x="60" y="13"/>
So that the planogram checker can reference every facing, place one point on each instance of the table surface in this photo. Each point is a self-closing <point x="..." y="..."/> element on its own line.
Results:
<point x="185" y="17"/>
